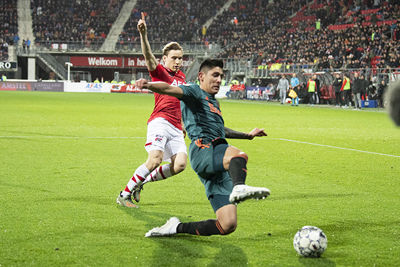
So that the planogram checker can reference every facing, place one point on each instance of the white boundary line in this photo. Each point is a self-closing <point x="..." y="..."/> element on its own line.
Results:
<point x="72" y="137"/>
<point x="336" y="147"/>
<point x="140" y="137"/>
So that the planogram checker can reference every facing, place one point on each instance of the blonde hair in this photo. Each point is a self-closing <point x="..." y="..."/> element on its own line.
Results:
<point x="171" y="46"/>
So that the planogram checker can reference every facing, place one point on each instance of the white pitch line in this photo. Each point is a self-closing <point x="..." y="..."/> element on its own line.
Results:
<point x="74" y="137"/>
<point x="140" y="137"/>
<point x="336" y="147"/>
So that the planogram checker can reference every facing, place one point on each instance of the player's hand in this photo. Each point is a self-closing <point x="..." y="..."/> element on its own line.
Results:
<point x="141" y="83"/>
<point x="142" y="28"/>
<point x="257" y="132"/>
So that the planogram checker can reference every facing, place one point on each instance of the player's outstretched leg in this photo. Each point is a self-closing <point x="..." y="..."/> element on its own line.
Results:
<point x="241" y="191"/>
<point x="174" y="226"/>
<point x="169" y="228"/>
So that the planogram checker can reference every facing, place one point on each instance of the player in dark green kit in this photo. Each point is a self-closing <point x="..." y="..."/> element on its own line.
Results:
<point x="220" y="167"/>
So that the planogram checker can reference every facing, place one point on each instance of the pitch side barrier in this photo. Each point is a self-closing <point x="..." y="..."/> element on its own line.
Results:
<point x="256" y="85"/>
<point x="26" y="85"/>
<point x="82" y="87"/>
<point x="65" y="86"/>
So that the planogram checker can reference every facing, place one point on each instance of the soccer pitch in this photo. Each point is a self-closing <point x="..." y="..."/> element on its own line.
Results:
<point x="65" y="157"/>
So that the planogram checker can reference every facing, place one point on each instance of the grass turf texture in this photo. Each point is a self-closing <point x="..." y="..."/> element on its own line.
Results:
<point x="65" y="157"/>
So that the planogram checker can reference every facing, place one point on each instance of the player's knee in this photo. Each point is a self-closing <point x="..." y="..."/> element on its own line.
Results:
<point x="228" y="224"/>
<point x="241" y="155"/>
<point x="179" y="167"/>
<point x="178" y="163"/>
<point x="244" y="155"/>
<point x="229" y="227"/>
<point x="153" y="162"/>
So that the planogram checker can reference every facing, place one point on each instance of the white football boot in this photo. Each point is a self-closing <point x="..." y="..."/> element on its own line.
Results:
<point x="243" y="192"/>
<point x="169" y="228"/>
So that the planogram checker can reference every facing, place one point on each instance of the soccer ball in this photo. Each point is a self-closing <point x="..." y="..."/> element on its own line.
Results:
<point x="310" y="241"/>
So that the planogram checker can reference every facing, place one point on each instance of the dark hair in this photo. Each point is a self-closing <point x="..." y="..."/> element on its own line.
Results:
<point x="171" y="46"/>
<point x="211" y="63"/>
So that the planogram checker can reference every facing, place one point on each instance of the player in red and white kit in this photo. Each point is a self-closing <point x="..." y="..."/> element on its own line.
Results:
<point x="165" y="139"/>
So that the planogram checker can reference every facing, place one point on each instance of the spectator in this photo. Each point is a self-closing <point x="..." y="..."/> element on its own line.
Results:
<point x="294" y="84"/>
<point x="346" y="90"/>
<point x="28" y="44"/>
<point x="372" y="93"/>
<point x="364" y="87"/>
<point x="337" y="84"/>
<point x="311" y="88"/>
<point x="283" y="86"/>
<point x="356" y="89"/>
<point x="317" y="89"/>
<point x="380" y="92"/>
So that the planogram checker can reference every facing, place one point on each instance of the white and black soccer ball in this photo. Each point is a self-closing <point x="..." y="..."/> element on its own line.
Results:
<point x="310" y="241"/>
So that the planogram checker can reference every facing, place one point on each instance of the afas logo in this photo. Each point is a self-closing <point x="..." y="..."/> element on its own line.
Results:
<point x="94" y="86"/>
<point x="177" y="83"/>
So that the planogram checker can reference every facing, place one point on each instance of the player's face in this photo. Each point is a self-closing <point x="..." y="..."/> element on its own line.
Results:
<point x="210" y="81"/>
<point x="173" y="60"/>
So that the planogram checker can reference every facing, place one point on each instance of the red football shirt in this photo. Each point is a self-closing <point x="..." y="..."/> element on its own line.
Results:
<point x="165" y="106"/>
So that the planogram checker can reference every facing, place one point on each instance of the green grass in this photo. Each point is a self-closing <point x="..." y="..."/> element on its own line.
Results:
<point x="60" y="173"/>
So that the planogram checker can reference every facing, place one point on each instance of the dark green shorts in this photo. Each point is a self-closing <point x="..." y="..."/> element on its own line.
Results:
<point x="207" y="162"/>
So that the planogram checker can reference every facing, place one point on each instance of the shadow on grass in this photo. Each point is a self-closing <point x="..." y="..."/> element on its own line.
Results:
<point x="196" y="251"/>
<point x="316" y="262"/>
<point x="186" y="250"/>
<point x="18" y="186"/>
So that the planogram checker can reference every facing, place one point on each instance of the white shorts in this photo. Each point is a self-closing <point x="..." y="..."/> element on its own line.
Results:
<point x="163" y="136"/>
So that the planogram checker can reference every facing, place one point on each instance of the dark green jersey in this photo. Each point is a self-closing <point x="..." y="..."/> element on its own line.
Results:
<point x="201" y="114"/>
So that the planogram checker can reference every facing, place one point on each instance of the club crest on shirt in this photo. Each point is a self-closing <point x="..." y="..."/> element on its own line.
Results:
<point x="158" y="138"/>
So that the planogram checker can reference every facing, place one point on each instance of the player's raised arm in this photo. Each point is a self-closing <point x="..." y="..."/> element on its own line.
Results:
<point x="160" y="88"/>
<point x="229" y="133"/>
<point x="151" y="61"/>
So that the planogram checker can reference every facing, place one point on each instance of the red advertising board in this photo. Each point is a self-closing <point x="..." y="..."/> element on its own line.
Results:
<point x="96" y="61"/>
<point x="15" y="86"/>
<point x="114" y="62"/>
<point x="131" y="62"/>
<point x="128" y="88"/>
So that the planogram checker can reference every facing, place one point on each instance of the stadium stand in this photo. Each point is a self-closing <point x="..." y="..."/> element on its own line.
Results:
<point x="358" y="34"/>
<point x="9" y="26"/>
<point x="274" y="38"/>
<point x="170" y="20"/>
<point x="81" y="22"/>
<point x="257" y="38"/>
<point x="244" y="27"/>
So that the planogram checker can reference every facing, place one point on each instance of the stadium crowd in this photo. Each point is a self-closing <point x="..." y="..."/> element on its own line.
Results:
<point x="82" y="21"/>
<point x="8" y="26"/>
<point x="171" y="20"/>
<point x="295" y="32"/>
<point x="324" y="34"/>
<point x="275" y="37"/>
